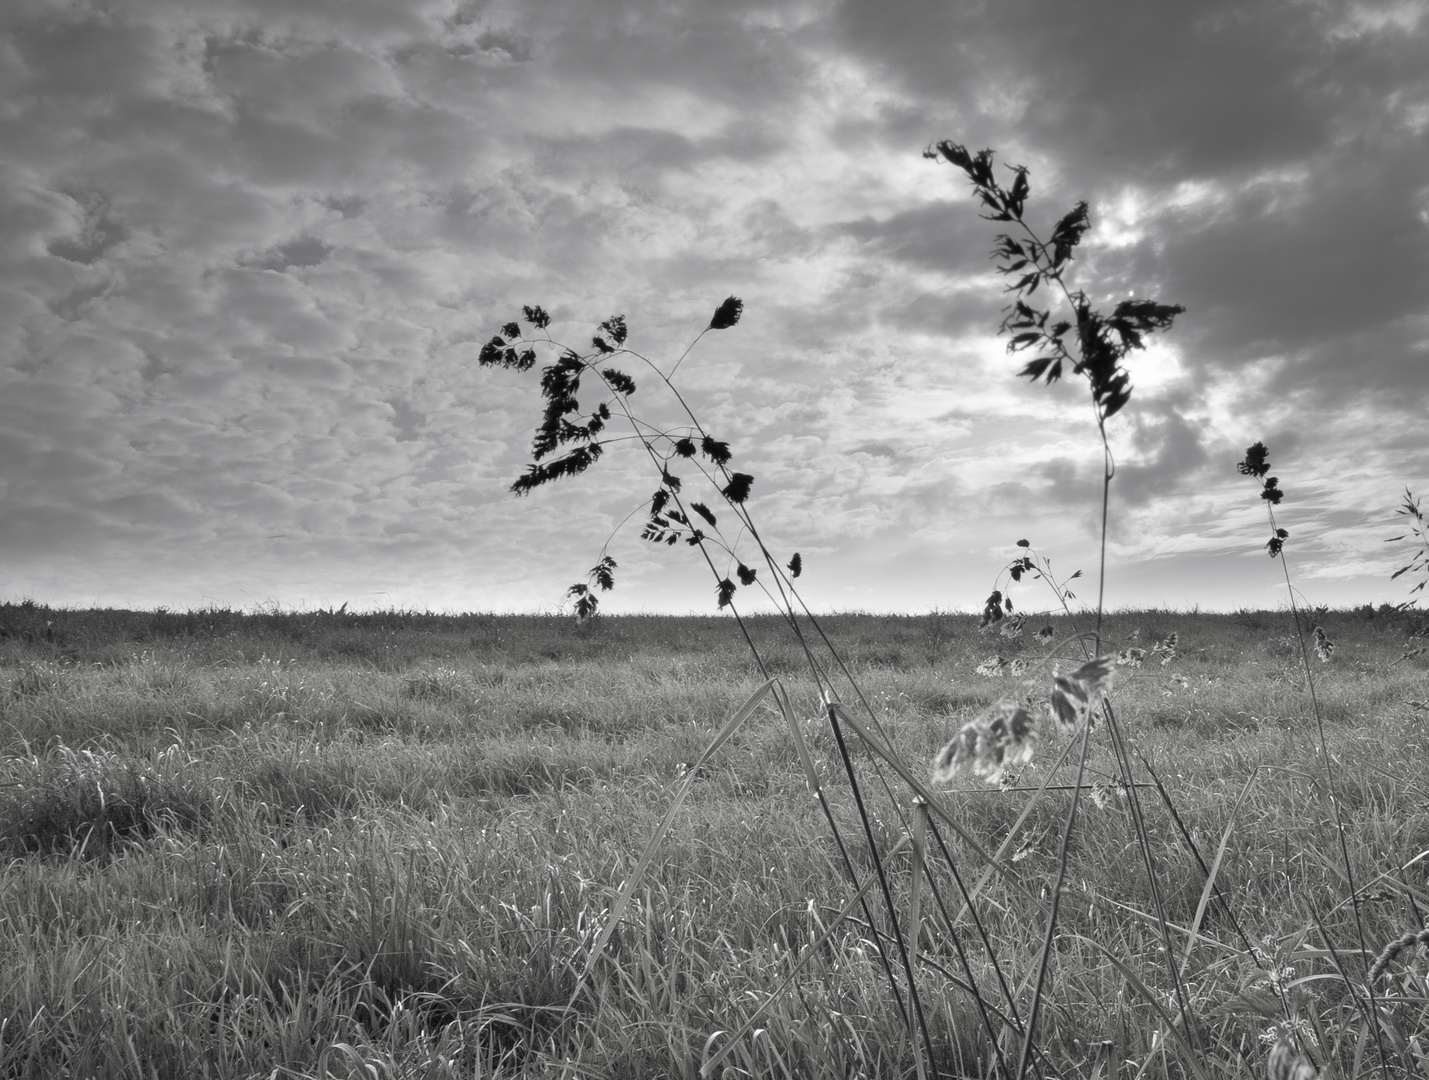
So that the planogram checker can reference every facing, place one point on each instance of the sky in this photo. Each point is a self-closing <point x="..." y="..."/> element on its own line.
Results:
<point x="251" y="249"/>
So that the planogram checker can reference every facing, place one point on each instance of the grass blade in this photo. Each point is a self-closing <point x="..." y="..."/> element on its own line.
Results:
<point x="617" y="910"/>
<point x="915" y="895"/>
<point x="1209" y="888"/>
<point x="810" y="951"/>
<point x="926" y="793"/>
<point x="1189" y="1057"/>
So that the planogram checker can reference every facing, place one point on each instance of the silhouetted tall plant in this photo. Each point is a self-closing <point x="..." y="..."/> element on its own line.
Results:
<point x="1256" y="465"/>
<point x="1419" y="561"/>
<point x="1092" y="344"/>
<point x="572" y="437"/>
<point x="564" y="423"/>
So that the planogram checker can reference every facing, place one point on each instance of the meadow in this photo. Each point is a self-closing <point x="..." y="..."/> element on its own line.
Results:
<point x="382" y="845"/>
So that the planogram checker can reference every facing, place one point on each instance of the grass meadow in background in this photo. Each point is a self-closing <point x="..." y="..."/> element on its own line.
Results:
<point x="381" y="845"/>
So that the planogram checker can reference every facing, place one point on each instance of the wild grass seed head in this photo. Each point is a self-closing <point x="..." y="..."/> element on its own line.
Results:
<point x="1287" y="1063"/>
<point x="988" y="746"/>
<point x="1007" y="737"/>
<point x="727" y="314"/>
<point x="1074" y="695"/>
<point x="1393" y="949"/>
<point x="994" y="667"/>
<point x="992" y="610"/>
<point x="1166" y="648"/>
<point x="564" y="426"/>
<point x="1256" y="464"/>
<point x="1324" y="647"/>
<point x="1102" y="341"/>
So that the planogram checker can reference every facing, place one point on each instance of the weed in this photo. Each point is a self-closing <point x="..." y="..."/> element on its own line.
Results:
<point x="1093" y="345"/>
<point x="1419" y="562"/>
<point x="1284" y="1062"/>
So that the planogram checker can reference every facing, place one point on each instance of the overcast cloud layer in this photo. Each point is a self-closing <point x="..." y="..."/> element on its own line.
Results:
<point x="251" y="248"/>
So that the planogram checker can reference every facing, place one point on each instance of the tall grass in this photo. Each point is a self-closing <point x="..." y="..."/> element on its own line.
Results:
<point x="414" y="862"/>
<point x="999" y="740"/>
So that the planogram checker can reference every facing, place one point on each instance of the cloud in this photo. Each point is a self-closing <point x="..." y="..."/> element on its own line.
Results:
<point x="249" y="251"/>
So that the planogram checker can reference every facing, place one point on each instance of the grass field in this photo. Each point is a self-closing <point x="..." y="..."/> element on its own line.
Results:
<point x="297" y="845"/>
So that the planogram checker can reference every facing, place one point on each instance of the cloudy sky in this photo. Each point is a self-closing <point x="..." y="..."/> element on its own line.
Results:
<point x="250" y="250"/>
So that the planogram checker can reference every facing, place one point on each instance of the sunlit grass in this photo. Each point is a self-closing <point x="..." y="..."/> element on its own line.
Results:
<point x="250" y="851"/>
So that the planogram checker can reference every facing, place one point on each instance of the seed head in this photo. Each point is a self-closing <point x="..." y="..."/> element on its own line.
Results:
<point x="727" y="314"/>
<point x="1287" y="1063"/>
<point x="737" y="490"/>
<point x="991" y="610"/>
<point x="1166" y="649"/>
<point x="1073" y="695"/>
<point x="1256" y="461"/>
<point x="1393" y="949"/>
<point x="988" y="746"/>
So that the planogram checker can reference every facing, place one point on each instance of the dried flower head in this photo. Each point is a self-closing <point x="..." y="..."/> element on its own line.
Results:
<point x="716" y="451"/>
<point x="737" y="490"/>
<point x="1012" y="627"/>
<point x="993" y="667"/>
<point x="602" y="577"/>
<point x="616" y="328"/>
<point x="1074" y="695"/>
<point x="1130" y="657"/>
<point x="1166" y="648"/>
<point x="1102" y="340"/>
<point x="1046" y="634"/>
<point x="727" y="314"/>
<point x="1324" y="647"/>
<point x="1256" y="462"/>
<point x="1287" y="1063"/>
<point x="1393" y="949"/>
<point x="989" y="746"/>
<point x="1103" y="793"/>
<point x="991" y="610"/>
